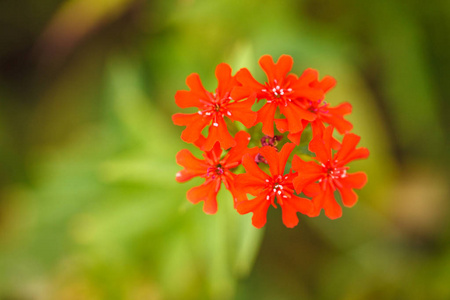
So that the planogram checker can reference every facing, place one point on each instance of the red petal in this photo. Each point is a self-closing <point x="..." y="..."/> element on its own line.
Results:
<point x="294" y="115"/>
<point x="193" y="166"/>
<point x="341" y="125"/>
<point x="308" y="172"/>
<point x="342" y="109"/>
<point x="318" y="130"/>
<point x="277" y="160"/>
<point x="308" y="76"/>
<point x="271" y="155"/>
<point x="326" y="84"/>
<point x="244" y="77"/>
<point x="335" y="117"/>
<point x="186" y="99"/>
<point x="349" y="197"/>
<point x="242" y="111"/>
<point x="206" y="192"/>
<point x="291" y="79"/>
<point x="332" y="209"/>
<point x="308" y="93"/>
<point x="312" y="190"/>
<point x="335" y="144"/>
<point x="219" y="134"/>
<point x="295" y="137"/>
<point x="348" y="152"/>
<point x="252" y="168"/>
<point x="194" y="83"/>
<point x="321" y="146"/>
<point x="213" y="156"/>
<point x="293" y="118"/>
<point x="318" y="203"/>
<point x="246" y="207"/>
<point x="305" y="179"/>
<point x="326" y="201"/>
<point x="259" y="218"/>
<point x="194" y="125"/>
<point x="351" y="181"/>
<point x="267" y="64"/>
<point x="359" y="153"/>
<point x="242" y="92"/>
<point x="185" y="119"/>
<point x="283" y="66"/>
<point x="289" y="215"/>
<point x="355" y="180"/>
<point x="258" y="206"/>
<point x="283" y="156"/>
<point x="304" y="167"/>
<point x="249" y="184"/>
<point x="282" y="125"/>
<point x="236" y="153"/>
<point x="225" y="81"/>
<point x="301" y="205"/>
<point x="349" y="143"/>
<point x="237" y="193"/>
<point x="200" y="141"/>
<point x="317" y="146"/>
<point x="266" y="115"/>
<point x="328" y="136"/>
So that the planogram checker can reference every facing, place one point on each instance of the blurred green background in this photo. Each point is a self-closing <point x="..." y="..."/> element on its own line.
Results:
<point x="89" y="206"/>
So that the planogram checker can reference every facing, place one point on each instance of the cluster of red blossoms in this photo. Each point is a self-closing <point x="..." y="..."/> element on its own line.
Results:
<point x="290" y="105"/>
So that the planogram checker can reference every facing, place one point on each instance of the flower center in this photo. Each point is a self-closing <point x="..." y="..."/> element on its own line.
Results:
<point x="270" y="140"/>
<point x="278" y="94"/>
<point x="215" y="171"/>
<point x="277" y="91"/>
<point x="333" y="174"/>
<point x="216" y="108"/>
<point x="317" y="107"/>
<point x="279" y="188"/>
<point x="336" y="173"/>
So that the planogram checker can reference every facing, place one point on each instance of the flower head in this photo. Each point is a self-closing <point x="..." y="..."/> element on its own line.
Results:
<point x="282" y="91"/>
<point x="324" y="113"/>
<point x="269" y="189"/>
<point x="215" y="169"/>
<point x="289" y="103"/>
<point x="213" y="108"/>
<point x="320" y="179"/>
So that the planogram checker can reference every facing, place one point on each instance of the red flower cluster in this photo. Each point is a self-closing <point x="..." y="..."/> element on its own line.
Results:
<point x="292" y="103"/>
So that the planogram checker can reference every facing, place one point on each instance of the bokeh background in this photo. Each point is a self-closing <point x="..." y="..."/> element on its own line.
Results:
<point x="89" y="206"/>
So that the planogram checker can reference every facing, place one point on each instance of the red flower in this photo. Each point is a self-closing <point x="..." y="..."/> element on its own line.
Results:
<point x="320" y="180"/>
<point x="268" y="187"/>
<point x="212" y="109"/>
<point x="324" y="113"/>
<point x="215" y="170"/>
<point x="282" y="91"/>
